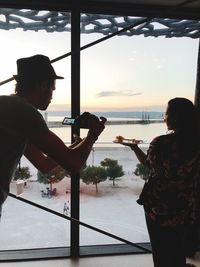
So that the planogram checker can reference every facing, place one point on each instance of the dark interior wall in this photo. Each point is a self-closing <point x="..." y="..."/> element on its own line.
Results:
<point x="36" y="4"/>
<point x="183" y="10"/>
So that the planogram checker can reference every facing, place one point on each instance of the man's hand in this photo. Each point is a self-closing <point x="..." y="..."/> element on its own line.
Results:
<point x="91" y="122"/>
<point x="96" y="125"/>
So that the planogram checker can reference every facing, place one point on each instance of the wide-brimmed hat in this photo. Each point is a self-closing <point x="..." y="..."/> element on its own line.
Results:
<point x="35" y="68"/>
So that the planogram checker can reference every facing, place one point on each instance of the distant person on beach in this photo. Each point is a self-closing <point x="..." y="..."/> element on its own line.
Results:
<point x="66" y="208"/>
<point x="24" y="131"/>
<point x="171" y="194"/>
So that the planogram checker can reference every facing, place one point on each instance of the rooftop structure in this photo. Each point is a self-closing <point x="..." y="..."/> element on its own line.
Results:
<point x="55" y="21"/>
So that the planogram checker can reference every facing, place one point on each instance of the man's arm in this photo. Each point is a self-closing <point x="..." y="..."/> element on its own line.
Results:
<point x="39" y="159"/>
<point x="47" y="150"/>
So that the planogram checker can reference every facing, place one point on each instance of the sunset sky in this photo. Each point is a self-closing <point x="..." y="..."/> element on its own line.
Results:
<point x="123" y="73"/>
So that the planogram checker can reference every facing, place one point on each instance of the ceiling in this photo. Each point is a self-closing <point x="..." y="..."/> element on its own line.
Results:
<point x="183" y="9"/>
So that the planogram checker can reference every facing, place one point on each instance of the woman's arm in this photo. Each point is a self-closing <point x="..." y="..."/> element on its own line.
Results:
<point x="139" y="153"/>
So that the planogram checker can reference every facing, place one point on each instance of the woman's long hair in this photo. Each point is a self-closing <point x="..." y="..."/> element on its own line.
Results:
<point x="185" y="124"/>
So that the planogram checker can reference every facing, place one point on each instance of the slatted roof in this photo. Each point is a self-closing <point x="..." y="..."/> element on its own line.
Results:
<point x="59" y="21"/>
<point x="169" y="18"/>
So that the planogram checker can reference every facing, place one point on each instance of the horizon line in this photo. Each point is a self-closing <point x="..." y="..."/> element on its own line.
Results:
<point x="67" y="108"/>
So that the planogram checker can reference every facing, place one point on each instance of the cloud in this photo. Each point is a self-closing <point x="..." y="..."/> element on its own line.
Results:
<point x="117" y="93"/>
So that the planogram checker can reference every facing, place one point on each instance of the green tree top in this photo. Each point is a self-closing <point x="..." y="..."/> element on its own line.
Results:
<point x="53" y="176"/>
<point x="113" y="169"/>
<point x="22" y="173"/>
<point x="93" y="175"/>
<point x="142" y="171"/>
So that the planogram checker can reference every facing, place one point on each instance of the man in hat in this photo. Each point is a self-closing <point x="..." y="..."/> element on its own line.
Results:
<point x="24" y="131"/>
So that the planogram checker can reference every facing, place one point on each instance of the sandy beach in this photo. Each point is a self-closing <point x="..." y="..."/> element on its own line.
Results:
<point x="112" y="209"/>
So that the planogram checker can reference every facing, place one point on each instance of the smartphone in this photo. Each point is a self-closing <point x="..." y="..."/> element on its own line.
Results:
<point x="68" y="121"/>
<point x="81" y="121"/>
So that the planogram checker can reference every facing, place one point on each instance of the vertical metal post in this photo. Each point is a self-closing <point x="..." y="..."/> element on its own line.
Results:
<point x="75" y="101"/>
<point x="197" y="89"/>
<point x="194" y="233"/>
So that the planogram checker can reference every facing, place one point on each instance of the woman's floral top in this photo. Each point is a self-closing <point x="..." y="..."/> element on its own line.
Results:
<point x="170" y="194"/>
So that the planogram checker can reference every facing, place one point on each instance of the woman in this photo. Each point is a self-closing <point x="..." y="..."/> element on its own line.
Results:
<point x="169" y="196"/>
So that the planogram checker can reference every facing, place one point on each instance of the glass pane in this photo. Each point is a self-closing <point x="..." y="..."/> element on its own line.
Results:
<point x="129" y="80"/>
<point x="26" y="227"/>
<point x="22" y="225"/>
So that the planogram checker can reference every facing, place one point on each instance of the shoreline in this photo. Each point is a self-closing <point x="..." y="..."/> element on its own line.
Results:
<point x="55" y="124"/>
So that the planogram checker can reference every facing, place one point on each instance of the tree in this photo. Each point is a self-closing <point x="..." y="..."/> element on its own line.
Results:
<point x="42" y="177"/>
<point x="142" y="171"/>
<point x="53" y="176"/>
<point x="113" y="169"/>
<point x="93" y="175"/>
<point x="22" y="173"/>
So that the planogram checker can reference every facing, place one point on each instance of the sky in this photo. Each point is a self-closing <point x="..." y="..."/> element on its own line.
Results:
<point x="120" y="74"/>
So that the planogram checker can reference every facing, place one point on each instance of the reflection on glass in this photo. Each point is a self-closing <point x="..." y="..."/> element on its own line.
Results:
<point x="129" y="80"/>
<point x="113" y="207"/>
<point x="24" y="226"/>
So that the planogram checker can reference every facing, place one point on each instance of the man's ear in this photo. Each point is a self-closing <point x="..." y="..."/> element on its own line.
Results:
<point x="42" y="86"/>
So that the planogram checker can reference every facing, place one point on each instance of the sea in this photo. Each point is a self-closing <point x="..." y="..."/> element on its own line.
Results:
<point x="142" y="131"/>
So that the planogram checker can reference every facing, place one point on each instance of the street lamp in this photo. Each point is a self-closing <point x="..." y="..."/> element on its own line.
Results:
<point x="93" y="156"/>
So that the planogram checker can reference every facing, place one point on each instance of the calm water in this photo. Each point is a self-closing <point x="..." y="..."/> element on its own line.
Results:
<point x="145" y="132"/>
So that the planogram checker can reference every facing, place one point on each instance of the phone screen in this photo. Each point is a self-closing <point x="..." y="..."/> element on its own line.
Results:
<point x="68" y="121"/>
